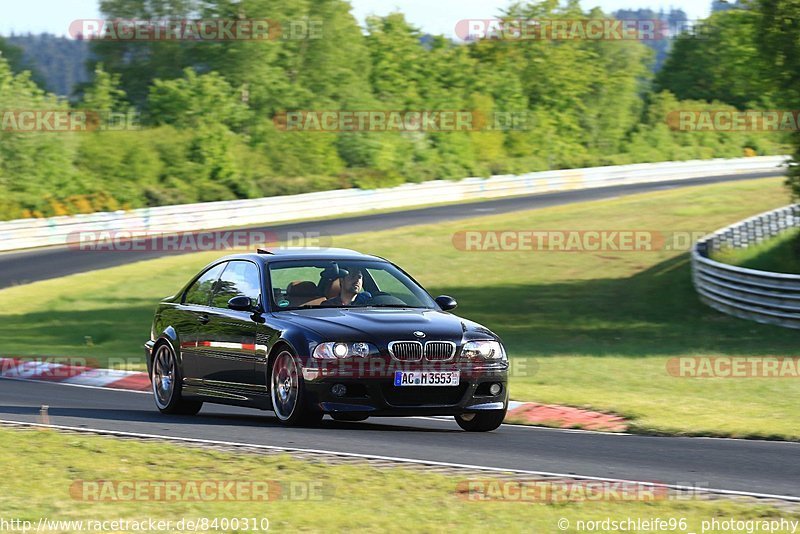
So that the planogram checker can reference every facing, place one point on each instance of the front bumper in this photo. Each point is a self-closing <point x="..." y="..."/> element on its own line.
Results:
<point x="378" y="396"/>
<point x="148" y="355"/>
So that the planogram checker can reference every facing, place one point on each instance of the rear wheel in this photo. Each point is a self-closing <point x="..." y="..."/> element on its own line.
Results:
<point x="288" y="392"/>
<point x="481" y="421"/>
<point x="166" y="381"/>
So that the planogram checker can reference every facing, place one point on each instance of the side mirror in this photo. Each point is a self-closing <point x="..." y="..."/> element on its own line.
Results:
<point x="240" y="303"/>
<point x="446" y="303"/>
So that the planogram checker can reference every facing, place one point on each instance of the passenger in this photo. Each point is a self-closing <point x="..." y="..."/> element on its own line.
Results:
<point x="351" y="283"/>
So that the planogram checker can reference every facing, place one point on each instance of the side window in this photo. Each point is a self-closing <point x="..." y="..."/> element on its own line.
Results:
<point x="200" y="291"/>
<point x="241" y="278"/>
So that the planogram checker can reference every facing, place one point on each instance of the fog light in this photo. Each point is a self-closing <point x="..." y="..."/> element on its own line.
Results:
<point x="361" y="349"/>
<point x="339" y="390"/>
<point x="494" y="389"/>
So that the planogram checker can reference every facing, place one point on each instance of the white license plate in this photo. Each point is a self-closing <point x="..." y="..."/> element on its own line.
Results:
<point x="426" y="378"/>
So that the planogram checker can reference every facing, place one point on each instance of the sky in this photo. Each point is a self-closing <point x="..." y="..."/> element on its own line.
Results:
<point x="432" y="16"/>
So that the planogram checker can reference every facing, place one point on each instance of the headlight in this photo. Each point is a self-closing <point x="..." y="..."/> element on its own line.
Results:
<point x="339" y="350"/>
<point x="485" y="350"/>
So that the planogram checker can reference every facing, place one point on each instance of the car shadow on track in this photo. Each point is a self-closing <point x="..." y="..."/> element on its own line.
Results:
<point x="272" y="421"/>
<point x="209" y="419"/>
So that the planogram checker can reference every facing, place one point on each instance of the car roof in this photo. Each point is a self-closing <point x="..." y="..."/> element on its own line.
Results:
<point x="279" y="254"/>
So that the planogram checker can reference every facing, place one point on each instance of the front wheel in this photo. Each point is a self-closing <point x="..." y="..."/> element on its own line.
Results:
<point x="288" y="393"/>
<point x="166" y="381"/>
<point x="481" y="421"/>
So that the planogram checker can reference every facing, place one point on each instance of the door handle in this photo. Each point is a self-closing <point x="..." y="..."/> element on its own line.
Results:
<point x="203" y="319"/>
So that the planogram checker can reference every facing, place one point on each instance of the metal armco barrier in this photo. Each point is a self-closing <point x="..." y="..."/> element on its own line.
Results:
<point x="30" y="233"/>
<point x="762" y="296"/>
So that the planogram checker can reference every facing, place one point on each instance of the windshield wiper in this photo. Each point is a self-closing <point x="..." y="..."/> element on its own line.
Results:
<point x="352" y="307"/>
<point x="308" y="307"/>
<point x="395" y="306"/>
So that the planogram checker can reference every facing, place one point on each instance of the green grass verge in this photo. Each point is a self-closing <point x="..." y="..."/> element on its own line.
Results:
<point x="593" y="329"/>
<point x="347" y="497"/>
<point x="780" y="254"/>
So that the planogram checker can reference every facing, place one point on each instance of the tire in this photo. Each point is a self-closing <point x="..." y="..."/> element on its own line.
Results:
<point x="166" y="383"/>
<point x="350" y="418"/>
<point x="481" y="421"/>
<point x="287" y="391"/>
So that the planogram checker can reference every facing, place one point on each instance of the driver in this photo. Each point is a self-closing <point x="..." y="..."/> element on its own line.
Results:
<point x="351" y="283"/>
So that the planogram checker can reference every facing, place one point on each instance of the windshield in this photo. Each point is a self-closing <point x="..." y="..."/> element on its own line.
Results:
<point x="302" y="284"/>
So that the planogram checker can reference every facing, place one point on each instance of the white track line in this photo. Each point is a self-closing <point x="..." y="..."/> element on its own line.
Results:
<point x="400" y="460"/>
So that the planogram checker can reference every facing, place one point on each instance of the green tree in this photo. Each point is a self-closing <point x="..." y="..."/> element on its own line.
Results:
<point x="335" y="67"/>
<point x="35" y="167"/>
<point x="777" y="40"/>
<point x="104" y="94"/>
<point x="138" y="63"/>
<point x="398" y="59"/>
<point x="211" y="133"/>
<point x="721" y="62"/>
<point x="196" y="99"/>
<point x="12" y="55"/>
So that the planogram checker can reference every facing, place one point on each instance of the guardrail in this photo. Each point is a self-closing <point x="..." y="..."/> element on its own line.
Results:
<point x="762" y="296"/>
<point x="30" y="233"/>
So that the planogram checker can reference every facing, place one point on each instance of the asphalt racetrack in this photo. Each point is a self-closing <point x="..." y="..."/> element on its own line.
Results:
<point x="748" y="466"/>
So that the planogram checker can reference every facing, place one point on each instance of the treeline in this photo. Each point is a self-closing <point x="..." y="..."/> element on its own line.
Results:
<point x="58" y="64"/>
<point x="749" y="58"/>
<point x="207" y="130"/>
<point x="674" y="21"/>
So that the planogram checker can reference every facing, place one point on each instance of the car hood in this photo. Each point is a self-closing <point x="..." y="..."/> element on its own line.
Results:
<point x="380" y="325"/>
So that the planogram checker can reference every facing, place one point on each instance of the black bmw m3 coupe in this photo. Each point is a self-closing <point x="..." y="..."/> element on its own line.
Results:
<point x="309" y="332"/>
